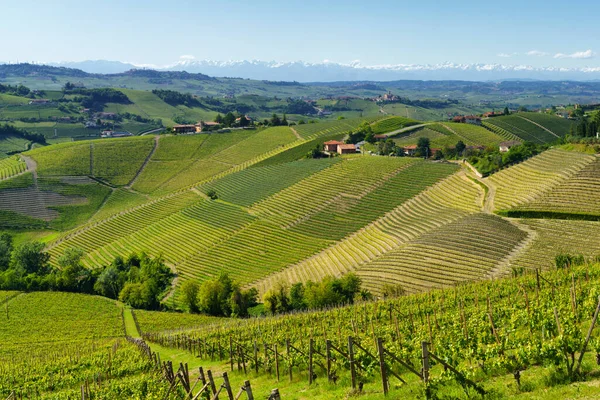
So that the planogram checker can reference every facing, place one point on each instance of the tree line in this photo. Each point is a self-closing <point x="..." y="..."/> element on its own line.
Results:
<point x="139" y="280"/>
<point x="223" y="297"/>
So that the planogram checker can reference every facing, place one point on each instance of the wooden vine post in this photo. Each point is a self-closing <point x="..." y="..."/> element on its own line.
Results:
<point x="425" y="372"/>
<point x="328" y="356"/>
<point x="310" y="361"/>
<point x="351" y="361"/>
<point x="382" y="366"/>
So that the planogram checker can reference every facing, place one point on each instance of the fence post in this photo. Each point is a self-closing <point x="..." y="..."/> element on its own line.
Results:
<point x="310" y="361"/>
<point x="289" y="356"/>
<point x="425" y="351"/>
<point x="227" y="386"/>
<point x="255" y="357"/>
<point x="248" y="390"/>
<point x="276" y="361"/>
<point x="328" y="354"/>
<point x="231" y="352"/>
<point x="274" y="395"/>
<point x="384" y="379"/>
<point x="351" y="361"/>
<point x="213" y="387"/>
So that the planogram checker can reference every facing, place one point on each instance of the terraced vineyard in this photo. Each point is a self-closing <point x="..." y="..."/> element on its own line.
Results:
<point x="448" y="134"/>
<point x="526" y="130"/>
<point x="468" y="249"/>
<point x="391" y="124"/>
<point x="253" y="184"/>
<point x="92" y="237"/>
<point x="529" y="180"/>
<point x="310" y="131"/>
<point x="473" y="134"/>
<point x="553" y="237"/>
<point x="11" y="166"/>
<point x="579" y="195"/>
<point x="118" y="161"/>
<point x="447" y="201"/>
<point x="559" y="126"/>
<point x="72" y="158"/>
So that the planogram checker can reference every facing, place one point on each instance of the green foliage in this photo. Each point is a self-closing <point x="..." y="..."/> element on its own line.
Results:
<point x="176" y="98"/>
<point x="223" y="297"/>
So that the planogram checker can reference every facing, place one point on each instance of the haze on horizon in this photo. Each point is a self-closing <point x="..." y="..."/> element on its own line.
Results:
<point x="534" y="33"/>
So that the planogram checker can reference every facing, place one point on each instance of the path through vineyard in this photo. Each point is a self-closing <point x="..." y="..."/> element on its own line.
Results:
<point x="171" y="354"/>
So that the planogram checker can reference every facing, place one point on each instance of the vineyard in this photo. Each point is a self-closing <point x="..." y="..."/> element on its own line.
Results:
<point x="577" y="196"/>
<point x="530" y="127"/>
<point x="391" y="124"/>
<point x="529" y="180"/>
<point x="12" y="166"/>
<point x="448" y="134"/>
<point x="505" y="338"/>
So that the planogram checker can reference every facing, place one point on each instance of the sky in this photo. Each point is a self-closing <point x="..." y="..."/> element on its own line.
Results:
<point x="536" y="33"/>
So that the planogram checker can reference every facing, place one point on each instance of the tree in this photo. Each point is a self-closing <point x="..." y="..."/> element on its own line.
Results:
<point x="423" y="147"/>
<point x="30" y="258"/>
<point x="229" y="119"/>
<point x="6" y="248"/>
<point x="284" y="121"/>
<point x="244" y="121"/>
<point x="219" y="119"/>
<point x="109" y="283"/>
<point x="506" y="111"/>
<point x="297" y="301"/>
<point x="189" y="295"/>
<point x="275" y="121"/>
<point x="460" y="147"/>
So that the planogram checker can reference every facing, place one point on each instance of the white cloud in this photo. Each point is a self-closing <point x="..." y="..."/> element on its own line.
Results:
<point x="537" y="53"/>
<point x="577" y="54"/>
<point x="506" y="55"/>
<point x="187" y="57"/>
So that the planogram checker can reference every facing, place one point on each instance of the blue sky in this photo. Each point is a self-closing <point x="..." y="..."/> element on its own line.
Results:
<point x="537" y="33"/>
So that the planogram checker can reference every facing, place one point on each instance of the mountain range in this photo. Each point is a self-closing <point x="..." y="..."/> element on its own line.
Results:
<point x="331" y="72"/>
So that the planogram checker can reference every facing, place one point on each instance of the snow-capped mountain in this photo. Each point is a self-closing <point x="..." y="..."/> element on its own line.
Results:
<point x="330" y="72"/>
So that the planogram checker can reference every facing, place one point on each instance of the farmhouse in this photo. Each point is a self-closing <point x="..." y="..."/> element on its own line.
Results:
<point x="209" y="125"/>
<point x="506" y="146"/>
<point x="380" y="137"/>
<point x="187" y="128"/>
<point x="114" y="134"/>
<point x="346" y="149"/>
<point x="410" y="150"/>
<point x="40" y="101"/>
<point x="106" y="115"/>
<point x="472" y="119"/>
<point x="332" y="145"/>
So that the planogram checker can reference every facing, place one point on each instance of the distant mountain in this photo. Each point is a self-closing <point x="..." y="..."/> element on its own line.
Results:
<point x="97" y="66"/>
<point x="331" y="72"/>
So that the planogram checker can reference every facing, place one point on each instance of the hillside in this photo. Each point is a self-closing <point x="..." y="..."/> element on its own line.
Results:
<point x="530" y="127"/>
<point x="474" y="335"/>
<point x="280" y="217"/>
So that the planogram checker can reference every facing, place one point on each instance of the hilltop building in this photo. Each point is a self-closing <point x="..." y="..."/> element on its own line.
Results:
<point x="346" y="148"/>
<point x="40" y="101"/>
<point x="506" y="146"/>
<point x="332" y="145"/>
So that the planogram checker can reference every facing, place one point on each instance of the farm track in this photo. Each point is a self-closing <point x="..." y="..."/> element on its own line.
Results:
<point x="31" y="167"/>
<point x="296" y="133"/>
<point x="404" y="130"/>
<point x="85" y="228"/>
<point x="541" y="126"/>
<point x="146" y="161"/>
<point x="467" y="141"/>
